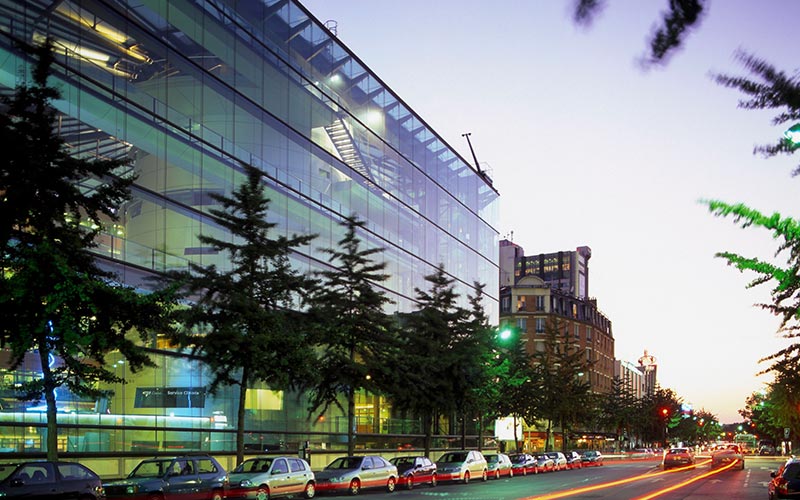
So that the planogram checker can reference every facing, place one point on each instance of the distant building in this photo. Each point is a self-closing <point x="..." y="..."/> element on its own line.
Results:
<point x="567" y="271"/>
<point x="631" y="377"/>
<point x="531" y="303"/>
<point x="649" y="368"/>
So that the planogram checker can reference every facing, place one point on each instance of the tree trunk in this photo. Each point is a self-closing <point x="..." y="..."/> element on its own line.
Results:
<point x="351" y="421"/>
<point x="549" y="435"/>
<point x="240" y="416"/>
<point x="464" y="431"/>
<point x="480" y="432"/>
<point x="51" y="444"/>
<point x="516" y="438"/>
<point x="427" y="423"/>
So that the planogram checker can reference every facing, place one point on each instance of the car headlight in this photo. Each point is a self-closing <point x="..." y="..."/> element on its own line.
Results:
<point x="245" y="483"/>
<point x="133" y="488"/>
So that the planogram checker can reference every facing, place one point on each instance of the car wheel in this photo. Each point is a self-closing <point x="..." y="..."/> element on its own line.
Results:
<point x="310" y="490"/>
<point x="355" y="487"/>
<point x="262" y="493"/>
<point x="216" y="495"/>
<point x="154" y="496"/>
<point x="497" y="474"/>
<point x="485" y="475"/>
<point x="524" y="471"/>
<point x="434" y="480"/>
<point x="510" y="472"/>
<point x="466" y="477"/>
<point x="390" y="484"/>
<point x="410" y="483"/>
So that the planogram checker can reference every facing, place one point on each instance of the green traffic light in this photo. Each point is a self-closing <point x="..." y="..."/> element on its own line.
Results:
<point x="505" y="334"/>
<point x="792" y="135"/>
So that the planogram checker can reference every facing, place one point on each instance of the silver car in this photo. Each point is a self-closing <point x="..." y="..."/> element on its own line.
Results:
<point x="352" y="474"/>
<point x="462" y="466"/>
<point x="261" y="478"/>
<point x="499" y="465"/>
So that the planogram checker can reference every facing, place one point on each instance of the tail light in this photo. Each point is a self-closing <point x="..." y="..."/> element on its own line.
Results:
<point x="781" y="485"/>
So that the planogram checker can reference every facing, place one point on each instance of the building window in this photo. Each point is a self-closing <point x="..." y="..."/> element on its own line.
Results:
<point x="522" y="324"/>
<point x="521" y="303"/>
<point x="588" y="334"/>
<point x="540" y="302"/>
<point x="539" y="325"/>
<point x="577" y="332"/>
<point x="505" y="304"/>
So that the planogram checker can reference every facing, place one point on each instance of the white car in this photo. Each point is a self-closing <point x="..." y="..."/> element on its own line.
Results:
<point x="270" y="477"/>
<point x="499" y="465"/>
<point x="462" y="466"/>
<point x="729" y="453"/>
<point x="559" y="460"/>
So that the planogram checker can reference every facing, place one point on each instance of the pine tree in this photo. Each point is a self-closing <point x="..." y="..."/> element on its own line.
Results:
<point x="558" y="372"/>
<point x="427" y="356"/>
<point x="54" y="298"/>
<point x="244" y="322"/>
<point x="354" y="334"/>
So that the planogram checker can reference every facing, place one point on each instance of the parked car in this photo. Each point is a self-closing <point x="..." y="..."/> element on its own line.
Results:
<point x="523" y="464"/>
<point x="499" y="465"/>
<point x="356" y="473"/>
<point x="641" y="453"/>
<point x="591" y="457"/>
<point x="727" y="454"/>
<point x="415" y="470"/>
<point x="545" y="463"/>
<point x="785" y="481"/>
<point x="56" y="480"/>
<point x="462" y="466"/>
<point x="677" y="457"/>
<point x="172" y="478"/>
<point x="767" y="450"/>
<point x="559" y="460"/>
<point x="271" y="477"/>
<point x="574" y="460"/>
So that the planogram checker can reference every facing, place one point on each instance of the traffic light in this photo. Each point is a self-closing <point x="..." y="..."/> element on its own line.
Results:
<point x="664" y="412"/>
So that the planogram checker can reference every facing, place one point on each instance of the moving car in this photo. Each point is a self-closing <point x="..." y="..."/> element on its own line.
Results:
<point x="353" y="474"/>
<point x="559" y="460"/>
<point x="499" y="465"/>
<point x="56" y="480"/>
<point x="523" y="464"/>
<point x="785" y="481"/>
<point x="728" y="453"/>
<point x="677" y="457"/>
<point x="574" y="460"/>
<point x="462" y="466"/>
<point x="415" y="470"/>
<point x="591" y="457"/>
<point x="172" y="478"/>
<point x="260" y="478"/>
<point x="545" y="463"/>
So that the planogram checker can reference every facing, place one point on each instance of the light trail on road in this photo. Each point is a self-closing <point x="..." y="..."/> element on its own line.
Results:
<point x="647" y="475"/>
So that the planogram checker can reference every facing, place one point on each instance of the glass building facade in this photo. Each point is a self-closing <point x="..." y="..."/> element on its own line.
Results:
<point x="188" y="91"/>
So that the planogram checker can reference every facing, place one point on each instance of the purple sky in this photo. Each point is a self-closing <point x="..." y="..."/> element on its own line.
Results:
<point x="586" y="148"/>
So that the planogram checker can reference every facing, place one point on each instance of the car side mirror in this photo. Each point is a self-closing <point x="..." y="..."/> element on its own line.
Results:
<point x="772" y="474"/>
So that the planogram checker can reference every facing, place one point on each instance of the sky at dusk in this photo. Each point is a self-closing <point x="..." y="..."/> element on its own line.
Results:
<point x="587" y="148"/>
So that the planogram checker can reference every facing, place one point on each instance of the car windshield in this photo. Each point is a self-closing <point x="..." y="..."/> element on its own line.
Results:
<point x="590" y="454"/>
<point x="151" y="468"/>
<point x="402" y="460"/>
<point x="677" y="451"/>
<point x="452" y="458"/>
<point x="552" y="455"/>
<point x="517" y="458"/>
<point x="492" y="458"/>
<point x="254" y="465"/>
<point x="6" y="470"/>
<point x="346" y="463"/>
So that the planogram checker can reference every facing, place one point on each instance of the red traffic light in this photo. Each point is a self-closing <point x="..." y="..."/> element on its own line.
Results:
<point x="664" y="412"/>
